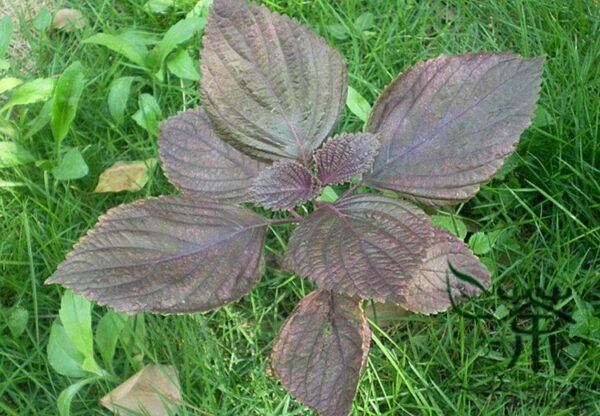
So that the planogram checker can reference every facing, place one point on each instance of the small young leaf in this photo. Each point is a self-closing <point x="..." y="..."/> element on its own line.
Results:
<point x="40" y="120"/>
<point x="357" y="104"/>
<point x="321" y="352"/>
<point x="365" y="21"/>
<point x="450" y="223"/>
<point x="344" y="156"/>
<point x="271" y="87"/>
<point x="148" y="115"/>
<point x="8" y="83"/>
<point x="183" y="66"/>
<point x="364" y="245"/>
<point x="42" y="19"/>
<point x="69" y="19"/>
<point x="135" y="52"/>
<point x="158" y="6"/>
<point x="31" y="92"/>
<point x="107" y="334"/>
<point x="125" y="176"/>
<point x="6" y="30"/>
<point x="435" y="287"/>
<point x="76" y="318"/>
<point x="72" y="166"/>
<point x="118" y="96"/>
<point x="63" y="402"/>
<point x="482" y="243"/>
<point x="447" y="124"/>
<point x="13" y="154"/>
<point x="198" y="162"/>
<point x="63" y="355"/>
<point x="338" y="31"/>
<point x="283" y="185"/>
<point x="177" y="34"/>
<point x="66" y="98"/>
<point x="17" y="321"/>
<point x="154" y="390"/>
<point x="328" y="194"/>
<point x="167" y="254"/>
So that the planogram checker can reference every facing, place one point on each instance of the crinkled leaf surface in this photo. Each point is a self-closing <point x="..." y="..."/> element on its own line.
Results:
<point x="345" y="156"/>
<point x="321" y="351"/>
<point x="365" y="245"/>
<point x="272" y="87"/>
<point x="435" y="287"/>
<point x="283" y="185"/>
<point x="198" y="162"/>
<point x="167" y="254"/>
<point x="447" y="124"/>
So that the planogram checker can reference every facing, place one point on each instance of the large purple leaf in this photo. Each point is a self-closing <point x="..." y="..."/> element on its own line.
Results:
<point x="345" y="156"/>
<point x="272" y="87"/>
<point x="283" y="185"/>
<point x="198" y="162"/>
<point x="447" y="124"/>
<point x="168" y="254"/>
<point x="321" y="352"/>
<point x="435" y="286"/>
<point x="364" y="245"/>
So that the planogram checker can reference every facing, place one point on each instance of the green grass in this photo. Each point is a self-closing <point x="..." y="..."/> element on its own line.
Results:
<point x="548" y="206"/>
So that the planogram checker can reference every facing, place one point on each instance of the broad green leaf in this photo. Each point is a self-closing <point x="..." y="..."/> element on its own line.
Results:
<point x="328" y="195"/>
<point x="107" y="334"/>
<point x="167" y="254"/>
<point x="154" y="390"/>
<point x="42" y="19"/>
<point x="148" y="115"/>
<point x="338" y="31"/>
<point x="158" y="6"/>
<point x="63" y="355"/>
<point x="121" y="45"/>
<point x="434" y="286"/>
<point x="71" y="166"/>
<point x="358" y="104"/>
<point x="66" y="396"/>
<point x="483" y="242"/>
<point x="365" y="245"/>
<point x="76" y="318"/>
<point x="40" y="121"/>
<point x="283" y="185"/>
<point x="271" y="87"/>
<point x="183" y="66"/>
<point x="177" y="34"/>
<point x="450" y="223"/>
<point x="6" y="29"/>
<point x="321" y="352"/>
<point x="17" y="321"/>
<point x="69" y="20"/>
<point x="198" y="162"/>
<point x="13" y="154"/>
<point x="365" y="21"/>
<point x="66" y="99"/>
<point x="8" y="83"/>
<point x="125" y="176"/>
<point x="31" y="92"/>
<point x="447" y="124"/>
<point x="118" y="96"/>
<point x="344" y="156"/>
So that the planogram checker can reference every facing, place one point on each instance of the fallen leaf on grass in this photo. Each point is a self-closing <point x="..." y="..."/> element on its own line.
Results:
<point x="153" y="391"/>
<point x="69" y="19"/>
<point x="125" y="176"/>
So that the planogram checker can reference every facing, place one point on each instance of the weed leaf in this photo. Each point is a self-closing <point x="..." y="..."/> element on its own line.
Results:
<point x="66" y="98"/>
<point x="13" y="154"/>
<point x="31" y="92"/>
<point x="71" y="166"/>
<point x="63" y="355"/>
<point x="118" y="96"/>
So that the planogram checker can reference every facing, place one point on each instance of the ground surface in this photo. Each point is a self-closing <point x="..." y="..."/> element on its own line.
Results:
<point x="451" y="363"/>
